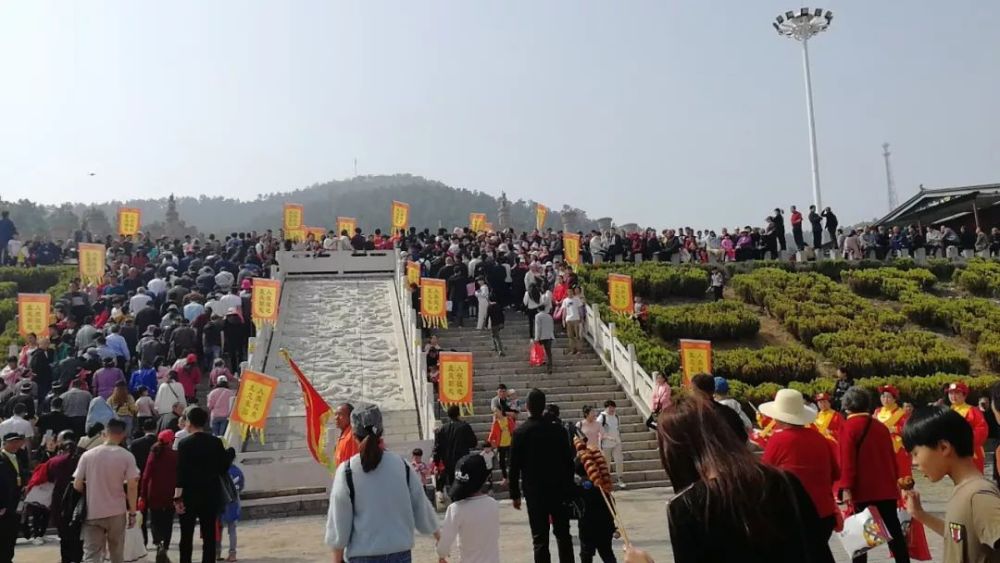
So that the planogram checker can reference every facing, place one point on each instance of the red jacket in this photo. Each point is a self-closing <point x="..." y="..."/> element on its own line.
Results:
<point x="159" y="478"/>
<point x="869" y="471"/>
<point x="805" y="453"/>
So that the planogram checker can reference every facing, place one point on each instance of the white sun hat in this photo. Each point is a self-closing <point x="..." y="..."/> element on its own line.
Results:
<point x="789" y="406"/>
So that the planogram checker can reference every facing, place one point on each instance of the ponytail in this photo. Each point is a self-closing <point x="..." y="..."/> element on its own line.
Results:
<point x="371" y="452"/>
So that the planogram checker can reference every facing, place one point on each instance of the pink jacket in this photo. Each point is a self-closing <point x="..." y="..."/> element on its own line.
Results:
<point x="661" y="397"/>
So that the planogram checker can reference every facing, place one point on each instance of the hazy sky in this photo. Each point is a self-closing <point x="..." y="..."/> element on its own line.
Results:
<point x="661" y="112"/>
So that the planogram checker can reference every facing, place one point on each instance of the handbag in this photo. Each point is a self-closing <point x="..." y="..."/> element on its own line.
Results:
<point x="536" y="354"/>
<point x="863" y="532"/>
<point x="135" y="547"/>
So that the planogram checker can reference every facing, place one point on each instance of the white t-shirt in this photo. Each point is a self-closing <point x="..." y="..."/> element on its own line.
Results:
<point x="475" y="521"/>
<point x="17" y="424"/>
<point x="571" y="308"/>
<point x="609" y="427"/>
<point x="138" y="301"/>
<point x="157" y="285"/>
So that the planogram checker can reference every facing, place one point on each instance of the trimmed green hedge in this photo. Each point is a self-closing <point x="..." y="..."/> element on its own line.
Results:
<point x="809" y="304"/>
<point x="911" y="352"/>
<point x="980" y="277"/>
<point x="653" y="281"/>
<point x="8" y="289"/>
<point x="847" y="328"/>
<point x="975" y="319"/>
<point x="769" y="364"/>
<point x="33" y="280"/>
<point x="719" y="320"/>
<point x="30" y="280"/>
<point x="888" y="283"/>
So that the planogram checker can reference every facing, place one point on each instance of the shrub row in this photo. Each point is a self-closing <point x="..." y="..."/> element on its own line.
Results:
<point x="845" y="327"/>
<point x="34" y="280"/>
<point x="888" y="283"/>
<point x="911" y="352"/>
<point x="975" y="319"/>
<point x="980" y="277"/>
<point x="772" y="363"/>
<point x="720" y="320"/>
<point x="942" y="268"/>
<point x="809" y="304"/>
<point x="769" y="364"/>
<point x="652" y="280"/>
<point x="59" y="276"/>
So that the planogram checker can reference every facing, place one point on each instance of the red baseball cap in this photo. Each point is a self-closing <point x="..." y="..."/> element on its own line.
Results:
<point x="959" y="386"/>
<point x="192" y="359"/>
<point x="890" y="389"/>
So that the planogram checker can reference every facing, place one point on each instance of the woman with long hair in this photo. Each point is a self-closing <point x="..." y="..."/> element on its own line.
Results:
<point x="156" y="490"/>
<point x="123" y="405"/>
<point x="376" y="500"/>
<point x="729" y="506"/>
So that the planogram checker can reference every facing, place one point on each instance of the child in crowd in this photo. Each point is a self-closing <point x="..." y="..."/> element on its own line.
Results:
<point x="940" y="441"/>
<point x="490" y="456"/>
<point x="472" y="517"/>
<point x="501" y="434"/>
<point x="423" y="470"/>
<point x="514" y="404"/>
<point x="231" y="515"/>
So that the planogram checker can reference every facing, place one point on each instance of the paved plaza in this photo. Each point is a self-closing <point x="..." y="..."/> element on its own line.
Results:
<point x="301" y="539"/>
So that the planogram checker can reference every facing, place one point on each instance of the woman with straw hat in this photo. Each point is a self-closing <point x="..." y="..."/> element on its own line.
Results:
<point x="805" y="453"/>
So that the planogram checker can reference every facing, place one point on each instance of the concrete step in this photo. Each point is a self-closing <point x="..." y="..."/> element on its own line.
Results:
<point x="619" y="397"/>
<point x="548" y="380"/>
<point x="643" y="480"/>
<point x="481" y="425"/>
<point x="283" y="506"/>
<point x="478" y="387"/>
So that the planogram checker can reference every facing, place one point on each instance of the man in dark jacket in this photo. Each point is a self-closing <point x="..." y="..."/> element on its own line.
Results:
<point x="202" y="461"/>
<point x="452" y="441"/>
<point x="831" y="225"/>
<point x="816" y="222"/>
<point x="458" y="293"/>
<point x="541" y="456"/>
<point x="779" y="229"/>
<point x="13" y="477"/>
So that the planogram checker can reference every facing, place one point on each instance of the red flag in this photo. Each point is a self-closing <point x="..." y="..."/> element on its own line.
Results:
<point x="317" y="414"/>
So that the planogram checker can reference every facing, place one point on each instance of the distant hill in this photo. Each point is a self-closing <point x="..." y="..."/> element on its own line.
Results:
<point x="366" y="198"/>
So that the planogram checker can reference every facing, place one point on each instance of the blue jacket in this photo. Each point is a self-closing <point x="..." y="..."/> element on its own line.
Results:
<point x="145" y="377"/>
<point x="232" y="511"/>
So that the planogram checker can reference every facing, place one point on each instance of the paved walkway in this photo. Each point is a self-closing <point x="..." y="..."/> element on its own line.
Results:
<point x="301" y="539"/>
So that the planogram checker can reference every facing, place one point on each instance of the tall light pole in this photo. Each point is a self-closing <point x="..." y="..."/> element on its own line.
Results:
<point x="802" y="25"/>
<point x="889" y="182"/>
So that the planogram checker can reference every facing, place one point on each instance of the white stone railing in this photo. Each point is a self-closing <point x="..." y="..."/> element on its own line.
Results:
<point x="416" y="358"/>
<point x="619" y="359"/>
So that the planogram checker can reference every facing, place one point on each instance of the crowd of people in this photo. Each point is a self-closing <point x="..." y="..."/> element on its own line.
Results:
<point x="123" y="369"/>
<point x="142" y="361"/>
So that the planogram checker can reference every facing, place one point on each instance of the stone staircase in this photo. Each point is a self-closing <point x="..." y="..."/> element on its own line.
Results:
<point x="576" y="380"/>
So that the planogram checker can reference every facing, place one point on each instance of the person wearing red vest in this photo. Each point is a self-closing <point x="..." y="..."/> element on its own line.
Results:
<point x="957" y="393"/>
<point x="828" y="421"/>
<point x="894" y="417"/>
<point x="868" y="468"/>
<point x="804" y="453"/>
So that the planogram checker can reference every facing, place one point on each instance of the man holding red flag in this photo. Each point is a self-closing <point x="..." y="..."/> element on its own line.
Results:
<point x="346" y="445"/>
